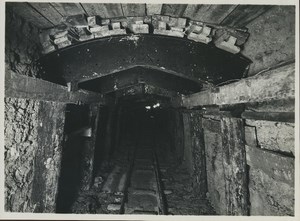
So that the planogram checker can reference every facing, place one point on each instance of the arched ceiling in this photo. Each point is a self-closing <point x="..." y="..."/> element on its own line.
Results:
<point x="172" y="63"/>
<point x="180" y="57"/>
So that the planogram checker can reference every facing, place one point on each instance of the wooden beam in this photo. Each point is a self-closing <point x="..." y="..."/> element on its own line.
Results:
<point x="103" y="10"/>
<point x="153" y="9"/>
<point x="244" y="14"/>
<point x="21" y="86"/>
<point x="48" y="11"/>
<point x="67" y="9"/>
<point x="134" y="9"/>
<point x="270" y="116"/>
<point x="29" y="14"/>
<point x="274" y="84"/>
<point x="208" y="13"/>
<point x="174" y="10"/>
<point x="234" y="161"/>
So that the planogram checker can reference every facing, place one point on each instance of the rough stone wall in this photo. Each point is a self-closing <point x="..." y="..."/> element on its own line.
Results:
<point x="33" y="139"/>
<point x="22" y="46"/>
<point x="270" y="157"/>
<point x="272" y="38"/>
<point x="21" y="124"/>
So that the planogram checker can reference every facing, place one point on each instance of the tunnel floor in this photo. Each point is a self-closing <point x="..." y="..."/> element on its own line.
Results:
<point x="142" y="177"/>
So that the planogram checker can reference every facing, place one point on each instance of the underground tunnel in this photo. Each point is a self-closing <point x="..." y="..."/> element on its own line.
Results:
<point x="152" y="109"/>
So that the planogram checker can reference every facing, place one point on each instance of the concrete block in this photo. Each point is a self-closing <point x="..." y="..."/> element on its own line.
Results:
<point x="177" y="22"/>
<point x="228" y="45"/>
<point x="98" y="28"/>
<point x="199" y="38"/>
<point x="118" y="32"/>
<point x="64" y="44"/>
<point x="159" y="18"/>
<point x="116" y="25"/>
<point x="139" y="22"/>
<point x="60" y="40"/>
<point x="162" y="25"/>
<point x="139" y="28"/>
<point x="105" y="21"/>
<point x="92" y="21"/>
<point x="169" y="33"/>
<point x="86" y="37"/>
<point x="177" y="29"/>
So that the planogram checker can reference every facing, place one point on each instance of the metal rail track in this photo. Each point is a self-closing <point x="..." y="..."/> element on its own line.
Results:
<point x="143" y="190"/>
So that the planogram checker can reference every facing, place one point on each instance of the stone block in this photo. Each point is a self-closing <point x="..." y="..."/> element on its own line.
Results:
<point x="162" y="25"/>
<point x="275" y="136"/>
<point x="98" y="28"/>
<point x="139" y="28"/>
<point x="169" y="33"/>
<point x="105" y="21"/>
<point x="177" y="29"/>
<point x="60" y="40"/>
<point x="64" y="44"/>
<point x="116" y="25"/>
<point x="177" y="22"/>
<point x="199" y="38"/>
<point x="92" y="20"/>
<point x="271" y="183"/>
<point x="228" y="45"/>
<point x="118" y="32"/>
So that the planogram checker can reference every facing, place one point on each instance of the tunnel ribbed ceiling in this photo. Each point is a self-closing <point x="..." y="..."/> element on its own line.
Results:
<point x="97" y="58"/>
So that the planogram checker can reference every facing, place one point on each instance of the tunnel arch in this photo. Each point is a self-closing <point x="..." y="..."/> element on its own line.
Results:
<point x="101" y="57"/>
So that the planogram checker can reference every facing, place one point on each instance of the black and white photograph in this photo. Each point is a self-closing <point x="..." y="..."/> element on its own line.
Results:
<point x="145" y="109"/>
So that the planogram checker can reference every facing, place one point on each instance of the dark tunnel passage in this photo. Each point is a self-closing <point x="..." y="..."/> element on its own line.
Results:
<point x="157" y="109"/>
<point x="138" y="162"/>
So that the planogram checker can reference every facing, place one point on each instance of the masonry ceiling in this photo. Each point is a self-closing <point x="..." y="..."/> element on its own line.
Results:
<point x="175" y="64"/>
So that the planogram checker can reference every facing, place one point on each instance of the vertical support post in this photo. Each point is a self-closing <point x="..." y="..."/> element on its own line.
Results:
<point x="118" y="127"/>
<point x="108" y="137"/>
<point x="234" y="161"/>
<point x="87" y="163"/>
<point x="198" y="153"/>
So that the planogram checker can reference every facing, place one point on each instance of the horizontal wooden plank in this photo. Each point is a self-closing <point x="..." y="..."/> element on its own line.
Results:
<point x="174" y="10"/>
<point x="67" y="9"/>
<point x="270" y="116"/>
<point x="274" y="84"/>
<point x="104" y="10"/>
<point x="243" y="14"/>
<point x="48" y="11"/>
<point x="153" y="9"/>
<point x="134" y="9"/>
<point x="208" y="13"/>
<point x="29" y="14"/>
<point x="21" y="86"/>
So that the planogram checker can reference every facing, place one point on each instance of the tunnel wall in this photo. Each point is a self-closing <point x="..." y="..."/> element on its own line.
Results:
<point x="33" y="142"/>
<point x="22" y="45"/>
<point x="257" y="160"/>
<point x="272" y="38"/>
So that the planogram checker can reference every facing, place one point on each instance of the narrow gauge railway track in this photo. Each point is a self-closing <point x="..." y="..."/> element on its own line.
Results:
<point x="143" y="190"/>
